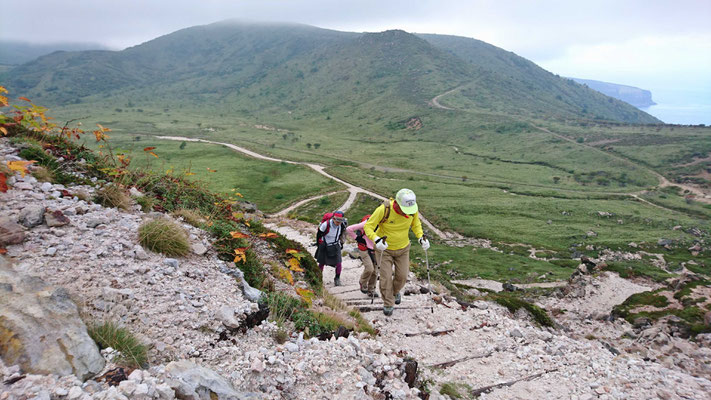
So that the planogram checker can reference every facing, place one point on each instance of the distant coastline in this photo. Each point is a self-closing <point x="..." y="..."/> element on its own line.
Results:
<point x="635" y="96"/>
<point x="681" y="106"/>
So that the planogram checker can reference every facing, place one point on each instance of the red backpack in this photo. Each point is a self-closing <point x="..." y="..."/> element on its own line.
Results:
<point x="327" y="217"/>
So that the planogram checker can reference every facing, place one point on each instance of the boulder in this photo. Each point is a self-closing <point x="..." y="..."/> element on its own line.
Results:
<point x="40" y="328"/>
<point x="199" y="249"/>
<point x="55" y="218"/>
<point x="31" y="216"/>
<point x="193" y="382"/>
<point x="10" y="232"/>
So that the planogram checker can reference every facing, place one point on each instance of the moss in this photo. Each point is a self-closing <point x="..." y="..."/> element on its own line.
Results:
<point x="513" y="303"/>
<point x="686" y="290"/>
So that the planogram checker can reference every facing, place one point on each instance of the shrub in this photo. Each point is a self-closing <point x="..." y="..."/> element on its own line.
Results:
<point x="113" y="196"/>
<point x="164" y="236"/>
<point x="192" y="217"/>
<point x="109" y="334"/>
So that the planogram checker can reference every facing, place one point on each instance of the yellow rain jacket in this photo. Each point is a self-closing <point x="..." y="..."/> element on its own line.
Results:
<point x="396" y="227"/>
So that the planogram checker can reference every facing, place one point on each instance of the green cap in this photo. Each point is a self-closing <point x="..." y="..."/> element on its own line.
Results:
<point x="407" y="201"/>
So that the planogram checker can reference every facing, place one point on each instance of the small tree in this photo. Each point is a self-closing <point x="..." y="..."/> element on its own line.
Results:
<point x="308" y="145"/>
<point x="182" y="145"/>
<point x="317" y="145"/>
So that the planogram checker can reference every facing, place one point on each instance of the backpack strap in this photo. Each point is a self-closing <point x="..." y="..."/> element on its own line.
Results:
<point x="386" y="214"/>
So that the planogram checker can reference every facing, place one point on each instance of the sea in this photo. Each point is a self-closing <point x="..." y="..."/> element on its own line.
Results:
<point x="681" y="106"/>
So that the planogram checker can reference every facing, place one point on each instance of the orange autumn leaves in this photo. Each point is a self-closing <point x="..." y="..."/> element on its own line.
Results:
<point x="18" y="166"/>
<point x="283" y="273"/>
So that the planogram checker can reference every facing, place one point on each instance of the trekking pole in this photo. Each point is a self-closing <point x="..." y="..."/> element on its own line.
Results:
<point x="377" y="271"/>
<point x="429" y="286"/>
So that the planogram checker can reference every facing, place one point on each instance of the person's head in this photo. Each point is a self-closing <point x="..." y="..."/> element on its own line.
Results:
<point x="406" y="200"/>
<point x="338" y="217"/>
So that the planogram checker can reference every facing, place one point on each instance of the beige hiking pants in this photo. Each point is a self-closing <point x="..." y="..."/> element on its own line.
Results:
<point x="368" y="277"/>
<point x="391" y="283"/>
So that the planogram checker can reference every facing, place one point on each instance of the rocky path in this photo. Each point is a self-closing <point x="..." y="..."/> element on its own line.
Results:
<point x="486" y="345"/>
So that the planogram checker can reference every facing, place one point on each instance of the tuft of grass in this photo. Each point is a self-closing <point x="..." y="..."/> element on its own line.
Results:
<point x="282" y="306"/>
<point x="333" y="302"/>
<point x="164" y="236"/>
<point x="146" y="203"/>
<point x="110" y="334"/>
<point x="113" y="196"/>
<point x="43" y="174"/>
<point x="281" y="335"/>
<point x="450" y="389"/>
<point x="362" y="324"/>
<point x="81" y="195"/>
<point x="192" y="217"/>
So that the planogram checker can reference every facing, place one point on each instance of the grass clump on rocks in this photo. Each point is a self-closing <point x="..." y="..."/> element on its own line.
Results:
<point x="43" y="174"/>
<point x="113" y="196"/>
<point x="109" y="334"/>
<point x="146" y="203"/>
<point x="164" y="236"/>
<point x="513" y="303"/>
<point x="192" y="217"/>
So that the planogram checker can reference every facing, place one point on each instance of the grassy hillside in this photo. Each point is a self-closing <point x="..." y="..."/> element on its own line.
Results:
<point x="509" y="75"/>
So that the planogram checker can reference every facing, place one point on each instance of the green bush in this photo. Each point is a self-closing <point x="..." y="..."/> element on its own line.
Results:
<point x="109" y="334"/>
<point x="164" y="236"/>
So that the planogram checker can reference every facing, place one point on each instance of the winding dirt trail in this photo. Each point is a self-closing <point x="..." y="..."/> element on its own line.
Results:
<point x="700" y="195"/>
<point x="352" y="189"/>
<point x="435" y="100"/>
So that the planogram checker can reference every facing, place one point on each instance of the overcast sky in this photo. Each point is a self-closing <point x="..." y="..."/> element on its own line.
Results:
<point x="645" y="43"/>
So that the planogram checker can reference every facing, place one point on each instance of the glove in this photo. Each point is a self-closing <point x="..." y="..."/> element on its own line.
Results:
<point x="380" y="244"/>
<point x="424" y="243"/>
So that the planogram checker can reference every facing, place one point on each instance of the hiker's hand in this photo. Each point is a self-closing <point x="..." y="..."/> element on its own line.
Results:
<point x="380" y="244"/>
<point x="424" y="243"/>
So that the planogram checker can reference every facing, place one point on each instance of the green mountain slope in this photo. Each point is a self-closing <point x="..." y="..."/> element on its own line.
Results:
<point x="263" y="69"/>
<point x="539" y="90"/>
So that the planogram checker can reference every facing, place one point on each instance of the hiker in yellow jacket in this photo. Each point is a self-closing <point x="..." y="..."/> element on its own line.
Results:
<point x="388" y="228"/>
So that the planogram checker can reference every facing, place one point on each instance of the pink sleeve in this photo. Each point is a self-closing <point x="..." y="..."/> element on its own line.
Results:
<point x="353" y="228"/>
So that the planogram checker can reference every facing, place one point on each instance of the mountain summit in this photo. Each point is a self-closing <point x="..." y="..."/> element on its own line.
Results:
<point x="260" y="68"/>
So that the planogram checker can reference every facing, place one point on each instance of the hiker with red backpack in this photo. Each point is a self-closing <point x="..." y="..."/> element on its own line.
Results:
<point x="367" y="255"/>
<point x="395" y="226"/>
<point x="330" y="236"/>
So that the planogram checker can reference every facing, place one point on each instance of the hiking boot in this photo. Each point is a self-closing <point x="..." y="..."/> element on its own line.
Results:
<point x="398" y="298"/>
<point x="365" y="291"/>
<point x="372" y="293"/>
<point x="337" y="281"/>
<point x="388" y="311"/>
